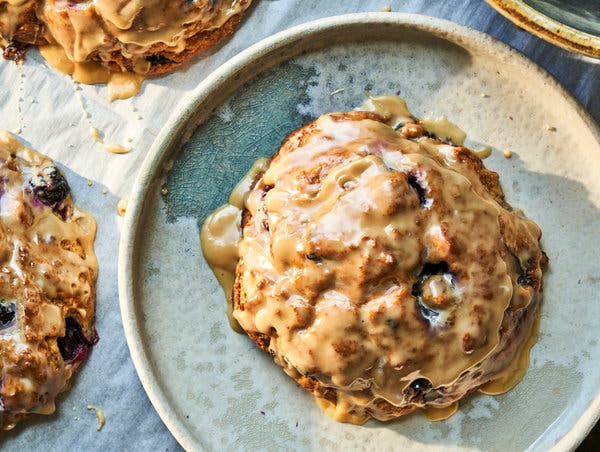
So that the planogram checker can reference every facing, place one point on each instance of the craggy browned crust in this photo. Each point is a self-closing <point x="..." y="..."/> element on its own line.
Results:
<point x="516" y="322"/>
<point x="28" y="32"/>
<point x="198" y="41"/>
<point x="29" y="29"/>
<point x="31" y="32"/>
<point x="293" y="140"/>
<point x="48" y="273"/>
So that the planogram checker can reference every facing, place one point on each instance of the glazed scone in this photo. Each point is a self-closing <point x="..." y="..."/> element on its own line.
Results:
<point x="383" y="270"/>
<point x="48" y="272"/>
<point x="147" y="37"/>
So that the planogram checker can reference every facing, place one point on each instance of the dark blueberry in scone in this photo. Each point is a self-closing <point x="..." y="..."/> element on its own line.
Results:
<point x="158" y="59"/>
<point x="429" y="303"/>
<point x="418" y="389"/>
<point x="74" y="346"/>
<point x="420" y="385"/>
<point x="412" y="180"/>
<point x="7" y="314"/>
<point x="49" y="186"/>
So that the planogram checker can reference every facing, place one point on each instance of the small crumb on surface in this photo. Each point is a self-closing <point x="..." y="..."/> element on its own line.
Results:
<point x="386" y="9"/>
<point x="510" y="117"/>
<point x="89" y="183"/>
<point x="99" y="415"/>
<point x="484" y="95"/>
<point x="337" y="91"/>
<point x="132" y="108"/>
<point x="122" y="206"/>
<point x="508" y="153"/>
<point x="104" y="191"/>
<point x="550" y="128"/>
<point x="140" y="117"/>
<point x="164" y="191"/>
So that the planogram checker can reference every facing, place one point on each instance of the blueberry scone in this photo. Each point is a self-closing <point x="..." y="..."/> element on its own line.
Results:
<point x="382" y="268"/>
<point x="148" y="37"/>
<point x="48" y="272"/>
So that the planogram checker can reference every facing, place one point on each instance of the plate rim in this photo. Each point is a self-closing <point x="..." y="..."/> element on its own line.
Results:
<point x="174" y="128"/>
<point x="548" y="28"/>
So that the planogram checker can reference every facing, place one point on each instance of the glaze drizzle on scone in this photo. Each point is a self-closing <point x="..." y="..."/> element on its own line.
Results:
<point x="142" y="36"/>
<point x="382" y="269"/>
<point x="48" y="272"/>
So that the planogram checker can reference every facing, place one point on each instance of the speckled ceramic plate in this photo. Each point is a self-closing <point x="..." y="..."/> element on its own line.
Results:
<point x="212" y="387"/>
<point x="573" y="25"/>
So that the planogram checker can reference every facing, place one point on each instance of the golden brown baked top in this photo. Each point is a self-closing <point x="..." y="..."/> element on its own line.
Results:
<point x="127" y="33"/>
<point x="48" y="272"/>
<point x="384" y="268"/>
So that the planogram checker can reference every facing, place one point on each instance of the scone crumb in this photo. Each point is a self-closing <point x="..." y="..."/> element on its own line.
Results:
<point x="100" y="415"/>
<point x="507" y="153"/>
<point x="164" y="191"/>
<point x="485" y="95"/>
<point x="122" y="207"/>
<point x="89" y="183"/>
<point x="550" y="128"/>
<point x="104" y="191"/>
<point x="386" y="9"/>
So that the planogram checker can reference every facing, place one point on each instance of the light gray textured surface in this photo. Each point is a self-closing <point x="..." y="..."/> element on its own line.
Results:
<point x="109" y="376"/>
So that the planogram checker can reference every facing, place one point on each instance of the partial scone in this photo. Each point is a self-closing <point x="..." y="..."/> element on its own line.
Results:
<point x="148" y="37"/>
<point x="384" y="273"/>
<point x="48" y="273"/>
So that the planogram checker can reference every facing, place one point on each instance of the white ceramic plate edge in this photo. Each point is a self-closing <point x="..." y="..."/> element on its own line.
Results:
<point x="173" y="130"/>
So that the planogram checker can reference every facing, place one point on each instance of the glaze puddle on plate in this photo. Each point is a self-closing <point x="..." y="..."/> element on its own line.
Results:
<point x="212" y="387"/>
